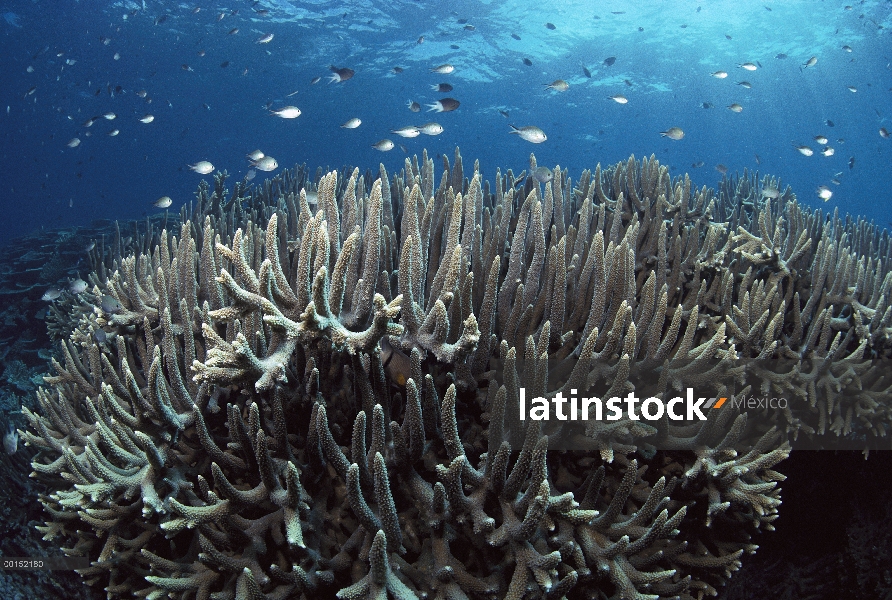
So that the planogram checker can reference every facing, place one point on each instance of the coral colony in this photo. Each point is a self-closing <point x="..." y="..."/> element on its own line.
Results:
<point x="274" y="402"/>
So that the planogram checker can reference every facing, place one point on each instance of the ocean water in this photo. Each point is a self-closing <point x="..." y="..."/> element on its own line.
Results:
<point x="63" y="63"/>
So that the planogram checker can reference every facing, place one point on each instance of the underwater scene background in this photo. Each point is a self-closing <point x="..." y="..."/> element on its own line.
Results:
<point x="330" y="418"/>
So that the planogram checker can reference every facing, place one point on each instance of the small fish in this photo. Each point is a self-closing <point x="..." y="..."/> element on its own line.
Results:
<point x="697" y="164"/>
<point x="444" y="105"/>
<point x="110" y="305"/>
<point x="397" y="70"/>
<point x="835" y="181"/>
<point x="847" y="48"/>
<point x="186" y="67"/>
<point x="315" y="80"/>
<point x="728" y="37"/>
<point x="804" y="150"/>
<point x="673" y="133"/>
<point x="884" y="133"/>
<point x="109" y="115"/>
<point x="431" y="129"/>
<point x="542" y="174"/>
<point x="824" y="193"/>
<point x="224" y="64"/>
<point x="264" y="39"/>
<point x="147" y="119"/>
<point x="352" y="123"/>
<point x="721" y="168"/>
<point x="821" y="139"/>
<point x="117" y="56"/>
<point x="609" y="61"/>
<point x="852" y="88"/>
<point x="162" y="202"/>
<point x="770" y="192"/>
<point x="233" y="31"/>
<point x="735" y="108"/>
<point x="851" y="163"/>
<point x="89" y="247"/>
<point x="414" y="106"/>
<point x="444" y="69"/>
<point x="420" y="40"/>
<point x="515" y="36"/>
<point x="383" y="145"/>
<point x="550" y="26"/>
<point x="292" y="93"/>
<point x="255" y="155"/>
<point x="406" y="132"/>
<point x="530" y="133"/>
<point x="30" y="69"/>
<point x="470" y="28"/>
<point x="707" y="105"/>
<point x="266" y="164"/>
<point x="828" y="151"/>
<point x="142" y="93"/>
<point x="287" y="112"/>
<point x="558" y="85"/>
<point x="51" y="294"/>
<point x="586" y="72"/>
<point x="203" y="167"/>
<point x="342" y="74"/>
<point x="758" y="160"/>
<point x="528" y="62"/>
<point x="780" y="56"/>
<point x="810" y="62"/>
<point x="619" y="99"/>
<point x="745" y="84"/>
<point x="114" y="132"/>
<point x="719" y="74"/>
<point x="74" y="143"/>
<point x="829" y="123"/>
<point x="89" y="122"/>
<point x="504" y="113"/>
<point x="748" y="66"/>
<point x="442" y="87"/>
<point x="11" y="439"/>
<point x="161" y="19"/>
<point x="397" y="365"/>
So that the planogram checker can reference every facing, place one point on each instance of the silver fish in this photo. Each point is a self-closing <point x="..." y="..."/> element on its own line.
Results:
<point x="11" y="439"/>
<point x="352" y="123"/>
<point x="162" y="202"/>
<point x="406" y="132"/>
<point x="431" y="129"/>
<point x="384" y="145"/>
<point x="673" y="133"/>
<point x="530" y="133"/>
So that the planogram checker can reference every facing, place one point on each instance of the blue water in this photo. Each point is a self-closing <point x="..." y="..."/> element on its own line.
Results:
<point x="219" y="113"/>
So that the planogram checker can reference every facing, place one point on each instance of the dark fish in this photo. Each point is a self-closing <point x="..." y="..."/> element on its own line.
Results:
<point x="515" y="36"/>
<point x="727" y="36"/>
<point x="396" y="363"/>
<point x="528" y="62"/>
<point x="160" y="19"/>
<point x="758" y="160"/>
<point x="453" y="46"/>
<point x="685" y="26"/>
<point x="462" y="21"/>
<point x="550" y="26"/>
<point x="609" y="60"/>
<point x="397" y="70"/>
<point x="829" y="123"/>
<point x="618" y="12"/>
<point x="224" y="64"/>
<point x="586" y="72"/>
<point x="470" y="27"/>
<point x="110" y="305"/>
<point x="768" y="8"/>
<point x="442" y="87"/>
<point x="342" y="74"/>
<point x="851" y="163"/>
<point x="780" y="56"/>
<point x="641" y="29"/>
<point x="698" y="164"/>
<point x="707" y="105"/>
<point x="504" y="113"/>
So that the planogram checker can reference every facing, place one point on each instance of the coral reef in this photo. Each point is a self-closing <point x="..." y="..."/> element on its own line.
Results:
<point x="223" y="422"/>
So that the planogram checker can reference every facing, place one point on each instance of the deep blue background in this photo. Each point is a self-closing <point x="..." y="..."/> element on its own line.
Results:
<point x="219" y="114"/>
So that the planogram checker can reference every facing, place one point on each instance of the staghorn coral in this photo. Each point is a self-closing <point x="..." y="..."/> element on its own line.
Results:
<point x="239" y="434"/>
